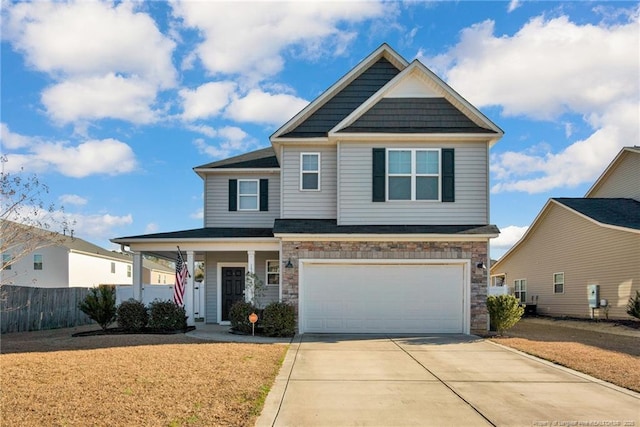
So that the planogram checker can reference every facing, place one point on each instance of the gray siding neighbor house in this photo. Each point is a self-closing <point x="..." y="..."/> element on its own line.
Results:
<point x="577" y="244"/>
<point x="369" y="212"/>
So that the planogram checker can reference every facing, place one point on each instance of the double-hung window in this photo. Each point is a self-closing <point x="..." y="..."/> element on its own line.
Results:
<point x="310" y="171"/>
<point x="273" y="272"/>
<point x="413" y="174"/>
<point x="248" y="194"/>
<point x="558" y="283"/>
<point x="6" y="261"/>
<point x="520" y="289"/>
<point x="37" y="262"/>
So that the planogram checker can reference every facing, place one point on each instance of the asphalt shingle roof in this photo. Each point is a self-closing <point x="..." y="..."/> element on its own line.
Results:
<point x="264" y="158"/>
<point x="329" y="226"/>
<point x="415" y="115"/>
<point x="344" y="102"/>
<point x="204" y="233"/>
<point x="615" y="211"/>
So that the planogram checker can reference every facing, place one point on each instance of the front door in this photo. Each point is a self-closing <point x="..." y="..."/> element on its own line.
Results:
<point x="232" y="288"/>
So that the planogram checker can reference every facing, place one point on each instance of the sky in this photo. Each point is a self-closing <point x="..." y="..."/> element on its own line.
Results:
<point x="112" y="104"/>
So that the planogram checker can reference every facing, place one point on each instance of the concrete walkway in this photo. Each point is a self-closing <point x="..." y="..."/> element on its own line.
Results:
<point x="438" y="380"/>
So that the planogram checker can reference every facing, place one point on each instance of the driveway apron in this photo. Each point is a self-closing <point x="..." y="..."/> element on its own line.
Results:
<point x="435" y="380"/>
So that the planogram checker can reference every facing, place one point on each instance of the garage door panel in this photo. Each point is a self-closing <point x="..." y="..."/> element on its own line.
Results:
<point x="382" y="298"/>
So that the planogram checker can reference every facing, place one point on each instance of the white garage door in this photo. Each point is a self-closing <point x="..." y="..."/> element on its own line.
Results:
<point x="390" y="298"/>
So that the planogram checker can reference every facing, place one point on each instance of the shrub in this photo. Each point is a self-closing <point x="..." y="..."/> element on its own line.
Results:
<point x="100" y="305"/>
<point x="167" y="316"/>
<point x="633" y="307"/>
<point x="239" y="316"/>
<point x="504" y="311"/>
<point x="279" y="320"/>
<point x="132" y="315"/>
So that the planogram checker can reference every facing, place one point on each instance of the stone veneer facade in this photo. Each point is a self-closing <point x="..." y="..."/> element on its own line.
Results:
<point x="476" y="251"/>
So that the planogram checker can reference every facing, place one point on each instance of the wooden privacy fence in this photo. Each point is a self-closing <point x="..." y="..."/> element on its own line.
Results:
<point x="33" y="309"/>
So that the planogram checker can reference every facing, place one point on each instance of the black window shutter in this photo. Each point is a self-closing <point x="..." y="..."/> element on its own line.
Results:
<point x="264" y="194"/>
<point x="233" y="195"/>
<point x="448" y="175"/>
<point x="379" y="193"/>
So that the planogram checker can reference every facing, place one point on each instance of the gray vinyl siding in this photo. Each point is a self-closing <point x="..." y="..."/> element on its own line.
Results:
<point x="309" y="204"/>
<point x="624" y="181"/>
<point x="564" y="242"/>
<point x="212" y="260"/>
<point x="355" y="199"/>
<point x="216" y="202"/>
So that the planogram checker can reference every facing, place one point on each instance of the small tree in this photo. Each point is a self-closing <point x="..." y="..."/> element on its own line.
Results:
<point x="633" y="307"/>
<point x="100" y="305"/>
<point x="254" y="286"/>
<point x="504" y="311"/>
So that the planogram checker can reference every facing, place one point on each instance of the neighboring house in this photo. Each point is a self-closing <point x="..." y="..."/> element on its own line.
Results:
<point x="577" y="242"/>
<point x="73" y="262"/>
<point x="368" y="213"/>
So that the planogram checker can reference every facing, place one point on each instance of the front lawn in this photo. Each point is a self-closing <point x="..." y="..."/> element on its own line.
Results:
<point x="49" y="378"/>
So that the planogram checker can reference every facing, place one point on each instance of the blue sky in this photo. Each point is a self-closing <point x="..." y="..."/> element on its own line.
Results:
<point x="112" y="104"/>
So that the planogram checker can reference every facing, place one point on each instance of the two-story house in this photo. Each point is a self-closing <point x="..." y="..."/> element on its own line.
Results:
<point x="369" y="213"/>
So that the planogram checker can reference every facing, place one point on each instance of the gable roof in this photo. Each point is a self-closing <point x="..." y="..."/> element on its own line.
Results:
<point x="337" y="102"/>
<point x="620" y="214"/>
<point x="623" y="213"/>
<point x="414" y="115"/>
<point x="611" y="168"/>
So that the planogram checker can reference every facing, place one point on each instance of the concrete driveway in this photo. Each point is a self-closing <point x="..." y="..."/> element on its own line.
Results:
<point x="436" y="380"/>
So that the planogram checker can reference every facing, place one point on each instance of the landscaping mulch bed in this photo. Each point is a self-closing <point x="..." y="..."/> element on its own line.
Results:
<point x="52" y="378"/>
<point x="593" y="351"/>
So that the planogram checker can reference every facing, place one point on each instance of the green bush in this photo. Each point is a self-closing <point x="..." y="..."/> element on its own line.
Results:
<point x="279" y="320"/>
<point x="132" y="315"/>
<point x="100" y="305"/>
<point x="167" y="316"/>
<point x="504" y="311"/>
<point x="239" y="316"/>
<point x="633" y="307"/>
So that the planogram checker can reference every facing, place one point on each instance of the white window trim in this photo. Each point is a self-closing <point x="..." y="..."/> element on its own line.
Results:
<point x="302" y="172"/>
<point x="257" y="195"/>
<point x="266" y="272"/>
<point x="520" y="291"/>
<point x="554" y="283"/>
<point x="413" y="174"/>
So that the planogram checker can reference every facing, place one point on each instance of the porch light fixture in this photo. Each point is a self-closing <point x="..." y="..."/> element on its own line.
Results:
<point x="288" y="264"/>
<point x="481" y="265"/>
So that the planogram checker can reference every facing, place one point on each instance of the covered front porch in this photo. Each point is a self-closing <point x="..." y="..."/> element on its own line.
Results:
<point x="229" y="257"/>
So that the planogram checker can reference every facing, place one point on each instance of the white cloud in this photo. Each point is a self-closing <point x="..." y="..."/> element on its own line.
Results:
<point x="107" y="60"/>
<point x="263" y="30"/>
<point x="231" y="140"/>
<point x="72" y="199"/>
<point x="12" y="141"/>
<point x="97" y="226"/>
<point x="513" y="5"/>
<point x="207" y="100"/>
<point x="263" y="107"/>
<point x="152" y="227"/>
<point x="530" y="74"/>
<point x="199" y="214"/>
<point x="509" y="236"/>
<point x="107" y="156"/>
<point x="98" y="97"/>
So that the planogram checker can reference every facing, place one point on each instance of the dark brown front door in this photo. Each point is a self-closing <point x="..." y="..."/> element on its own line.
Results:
<point x="232" y="288"/>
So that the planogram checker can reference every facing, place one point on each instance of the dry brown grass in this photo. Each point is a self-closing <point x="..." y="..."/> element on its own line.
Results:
<point x="609" y="357"/>
<point x="151" y="380"/>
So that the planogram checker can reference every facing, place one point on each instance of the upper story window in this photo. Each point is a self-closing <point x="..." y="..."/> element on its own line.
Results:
<point x="6" y="261"/>
<point x="128" y="271"/>
<point x="310" y="171"/>
<point x="413" y="174"/>
<point x="37" y="262"/>
<point x="558" y="283"/>
<point x="248" y="194"/>
<point x="113" y="268"/>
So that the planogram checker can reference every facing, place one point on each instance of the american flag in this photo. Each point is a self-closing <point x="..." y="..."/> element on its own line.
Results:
<point x="181" y="281"/>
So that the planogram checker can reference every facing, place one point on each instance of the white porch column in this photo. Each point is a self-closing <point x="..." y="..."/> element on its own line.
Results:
<point x="137" y="276"/>
<point x="251" y="268"/>
<point x="188" y="291"/>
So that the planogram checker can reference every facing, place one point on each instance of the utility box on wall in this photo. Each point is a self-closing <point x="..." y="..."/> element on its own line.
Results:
<point x="593" y="294"/>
